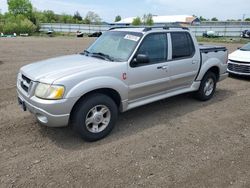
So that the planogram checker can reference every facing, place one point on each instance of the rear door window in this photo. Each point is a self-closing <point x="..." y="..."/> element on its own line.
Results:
<point x="182" y="45"/>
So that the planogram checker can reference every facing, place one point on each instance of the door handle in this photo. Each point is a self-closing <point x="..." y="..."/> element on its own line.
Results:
<point x="163" y="67"/>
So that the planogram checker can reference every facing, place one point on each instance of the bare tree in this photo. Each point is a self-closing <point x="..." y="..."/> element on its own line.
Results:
<point x="92" y="17"/>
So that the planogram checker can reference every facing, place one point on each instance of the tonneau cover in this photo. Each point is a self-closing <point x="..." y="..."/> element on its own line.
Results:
<point x="211" y="48"/>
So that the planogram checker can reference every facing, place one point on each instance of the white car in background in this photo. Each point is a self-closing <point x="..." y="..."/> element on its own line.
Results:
<point x="239" y="61"/>
<point x="245" y="34"/>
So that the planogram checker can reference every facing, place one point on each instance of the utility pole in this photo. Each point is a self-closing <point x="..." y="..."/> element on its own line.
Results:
<point x="243" y="17"/>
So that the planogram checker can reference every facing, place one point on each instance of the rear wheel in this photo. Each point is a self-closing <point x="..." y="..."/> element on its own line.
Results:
<point x="94" y="117"/>
<point x="207" y="87"/>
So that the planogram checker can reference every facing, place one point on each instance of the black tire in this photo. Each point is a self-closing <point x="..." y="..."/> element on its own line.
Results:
<point x="83" y="109"/>
<point x="201" y="93"/>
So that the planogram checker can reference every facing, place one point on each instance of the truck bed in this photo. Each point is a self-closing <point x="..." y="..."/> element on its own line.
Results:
<point x="208" y="52"/>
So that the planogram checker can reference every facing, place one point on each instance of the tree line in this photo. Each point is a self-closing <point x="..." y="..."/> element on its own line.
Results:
<point x="22" y="17"/>
<point x="214" y="19"/>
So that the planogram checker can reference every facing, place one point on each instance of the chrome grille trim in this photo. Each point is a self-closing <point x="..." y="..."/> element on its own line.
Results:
<point x="25" y="83"/>
<point x="234" y="61"/>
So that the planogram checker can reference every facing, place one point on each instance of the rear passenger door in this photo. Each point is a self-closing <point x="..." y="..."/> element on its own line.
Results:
<point x="148" y="79"/>
<point x="185" y="62"/>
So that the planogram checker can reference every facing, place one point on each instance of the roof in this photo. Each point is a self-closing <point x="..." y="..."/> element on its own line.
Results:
<point x="163" y="19"/>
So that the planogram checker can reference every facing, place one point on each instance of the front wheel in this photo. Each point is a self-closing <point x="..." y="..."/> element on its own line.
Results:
<point x="94" y="117"/>
<point x="207" y="87"/>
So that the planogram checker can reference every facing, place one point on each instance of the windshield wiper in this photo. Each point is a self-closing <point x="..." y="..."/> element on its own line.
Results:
<point x="85" y="52"/>
<point x="98" y="54"/>
<point x="102" y="55"/>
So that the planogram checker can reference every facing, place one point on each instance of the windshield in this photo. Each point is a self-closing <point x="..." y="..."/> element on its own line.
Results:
<point x="114" y="45"/>
<point x="246" y="47"/>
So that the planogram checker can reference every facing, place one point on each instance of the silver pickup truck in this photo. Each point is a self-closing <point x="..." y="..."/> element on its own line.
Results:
<point x="123" y="69"/>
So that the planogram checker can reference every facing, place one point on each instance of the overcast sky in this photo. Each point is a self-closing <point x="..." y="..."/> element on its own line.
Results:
<point x="108" y="9"/>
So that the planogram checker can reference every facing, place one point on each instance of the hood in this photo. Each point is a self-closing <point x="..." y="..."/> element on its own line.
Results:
<point x="56" y="68"/>
<point x="240" y="55"/>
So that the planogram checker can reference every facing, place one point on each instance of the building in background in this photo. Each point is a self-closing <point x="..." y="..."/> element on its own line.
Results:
<point x="185" y="20"/>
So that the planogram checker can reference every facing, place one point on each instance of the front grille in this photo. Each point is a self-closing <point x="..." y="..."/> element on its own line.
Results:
<point x="26" y="79"/>
<point x="25" y="88"/>
<point x="25" y="83"/>
<point x="239" y="62"/>
<point x="241" y="68"/>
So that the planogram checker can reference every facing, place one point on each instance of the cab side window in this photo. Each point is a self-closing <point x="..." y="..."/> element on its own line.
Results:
<point x="182" y="45"/>
<point x="155" y="47"/>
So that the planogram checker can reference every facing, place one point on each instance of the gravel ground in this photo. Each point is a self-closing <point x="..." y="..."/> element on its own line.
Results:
<point x="177" y="142"/>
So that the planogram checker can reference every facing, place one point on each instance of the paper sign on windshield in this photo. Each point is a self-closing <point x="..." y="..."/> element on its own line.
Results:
<point x="132" y="37"/>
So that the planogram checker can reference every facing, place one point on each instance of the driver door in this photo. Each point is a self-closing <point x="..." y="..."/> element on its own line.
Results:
<point x="151" y="78"/>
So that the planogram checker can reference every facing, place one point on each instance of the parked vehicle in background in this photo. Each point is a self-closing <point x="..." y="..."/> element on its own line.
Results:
<point x="239" y="61"/>
<point x="95" y="34"/>
<point x="210" y="34"/>
<point x="123" y="69"/>
<point x="79" y="34"/>
<point x="50" y="32"/>
<point x="245" y="34"/>
<point x="7" y="36"/>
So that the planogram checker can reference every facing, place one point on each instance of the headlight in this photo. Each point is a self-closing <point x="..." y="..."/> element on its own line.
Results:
<point x="46" y="91"/>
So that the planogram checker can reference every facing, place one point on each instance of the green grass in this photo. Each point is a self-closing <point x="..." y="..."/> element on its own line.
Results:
<point x="237" y="40"/>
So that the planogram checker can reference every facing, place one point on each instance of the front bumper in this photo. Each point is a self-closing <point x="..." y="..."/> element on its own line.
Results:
<point x="51" y="113"/>
<point x="238" y="73"/>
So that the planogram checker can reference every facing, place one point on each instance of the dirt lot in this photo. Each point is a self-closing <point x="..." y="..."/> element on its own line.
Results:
<point x="177" y="142"/>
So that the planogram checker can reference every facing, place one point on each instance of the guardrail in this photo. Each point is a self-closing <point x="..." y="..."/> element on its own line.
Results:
<point x="222" y="30"/>
<point x="73" y="28"/>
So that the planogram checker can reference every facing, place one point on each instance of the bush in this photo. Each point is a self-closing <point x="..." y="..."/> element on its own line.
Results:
<point x="1" y="23"/>
<point x="1" y="27"/>
<point x="10" y="28"/>
<point x="18" y="24"/>
<point x="137" y="21"/>
<point x="26" y="26"/>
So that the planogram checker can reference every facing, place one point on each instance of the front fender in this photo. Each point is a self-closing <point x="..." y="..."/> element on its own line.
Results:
<point x="98" y="83"/>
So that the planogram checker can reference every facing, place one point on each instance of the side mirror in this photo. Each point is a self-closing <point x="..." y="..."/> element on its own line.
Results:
<point x="141" y="59"/>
